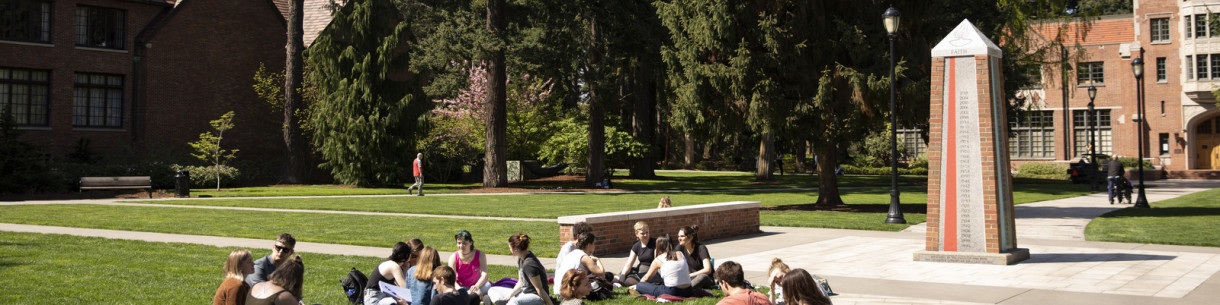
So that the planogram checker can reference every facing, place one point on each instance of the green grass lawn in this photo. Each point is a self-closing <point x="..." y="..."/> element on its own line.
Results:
<point x="63" y="269"/>
<point x="837" y="220"/>
<point x="362" y="230"/>
<point x="89" y="270"/>
<point x="1191" y="220"/>
<point x="323" y="190"/>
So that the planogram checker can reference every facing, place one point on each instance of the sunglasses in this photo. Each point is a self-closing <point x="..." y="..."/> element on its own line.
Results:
<point x="283" y="249"/>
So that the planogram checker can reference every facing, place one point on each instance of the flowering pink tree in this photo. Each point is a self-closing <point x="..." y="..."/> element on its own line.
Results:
<point x="458" y="130"/>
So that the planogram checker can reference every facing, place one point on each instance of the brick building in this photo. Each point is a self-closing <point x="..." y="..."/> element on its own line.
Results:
<point x="1180" y="71"/>
<point x="135" y="75"/>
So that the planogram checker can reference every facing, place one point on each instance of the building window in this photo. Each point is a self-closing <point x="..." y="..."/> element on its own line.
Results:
<point x="24" y="92"/>
<point x="1090" y="73"/>
<point x="1160" y="70"/>
<point x="1162" y="108"/>
<point x="1200" y="25"/>
<point x="913" y="143"/>
<point x="98" y="101"/>
<point x="1201" y="66"/>
<point x="1160" y="30"/>
<point x="25" y="20"/>
<point x="98" y="27"/>
<point x="1033" y="135"/>
<point x="1164" y="144"/>
<point x="1080" y="128"/>
<point x="1189" y="63"/>
<point x="1187" y="24"/>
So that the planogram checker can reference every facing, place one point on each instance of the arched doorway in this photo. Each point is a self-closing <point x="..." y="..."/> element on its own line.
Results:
<point x="1207" y="144"/>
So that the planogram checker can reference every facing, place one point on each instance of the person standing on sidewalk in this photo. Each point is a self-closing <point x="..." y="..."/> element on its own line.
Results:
<point x="419" y="176"/>
<point x="1114" y="174"/>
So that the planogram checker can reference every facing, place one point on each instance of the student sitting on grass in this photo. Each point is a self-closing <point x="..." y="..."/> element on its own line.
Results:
<point x="233" y="290"/>
<point x="470" y="265"/>
<point x="697" y="257"/>
<point x="580" y="258"/>
<point x="447" y="293"/>
<point x="575" y="287"/>
<point x="531" y="288"/>
<point x="419" y="277"/>
<point x="799" y="289"/>
<point x="774" y="274"/>
<point x="670" y="265"/>
<point x="733" y="282"/>
<point x="288" y="277"/>
<point x="577" y="229"/>
<point x="643" y="251"/>
<point x="393" y="272"/>
<point x="285" y="245"/>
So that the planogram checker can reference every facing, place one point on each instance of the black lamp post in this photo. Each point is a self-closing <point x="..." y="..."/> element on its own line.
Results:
<point x="1091" y="120"/>
<point x="890" y="18"/>
<point x="1137" y="66"/>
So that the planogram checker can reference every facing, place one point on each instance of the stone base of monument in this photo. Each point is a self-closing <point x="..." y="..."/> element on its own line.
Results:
<point x="1005" y="258"/>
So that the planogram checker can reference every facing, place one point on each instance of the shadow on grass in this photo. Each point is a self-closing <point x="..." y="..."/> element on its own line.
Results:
<point x="1163" y="212"/>
<point x="1035" y="258"/>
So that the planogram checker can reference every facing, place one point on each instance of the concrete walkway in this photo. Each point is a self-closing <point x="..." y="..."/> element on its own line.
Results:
<point x="870" y="267"/>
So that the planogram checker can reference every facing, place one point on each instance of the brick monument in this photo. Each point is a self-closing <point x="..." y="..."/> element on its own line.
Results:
<point x="970" y="208"/>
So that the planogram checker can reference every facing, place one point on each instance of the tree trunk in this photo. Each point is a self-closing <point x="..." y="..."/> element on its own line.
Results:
<point x="641" y="125"/>
<point x="495" y="171"/>
<point x="766" y="153"/>
<point x="294" y="144"/>
<point x="828" y="183"/>
<point x="595" y="168"/>
<point x="799" y="150"/>
<point x="689" y="157"/>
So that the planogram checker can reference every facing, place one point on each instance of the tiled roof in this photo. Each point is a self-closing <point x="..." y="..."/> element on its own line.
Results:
<point x="282" y="5"/>
<point x="317" y="18"/>
<point x="1105" y="31"/>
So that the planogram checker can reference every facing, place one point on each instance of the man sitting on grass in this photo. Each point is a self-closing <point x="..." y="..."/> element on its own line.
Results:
<point x="733" y="282"/>
<point x="263" y="267"/>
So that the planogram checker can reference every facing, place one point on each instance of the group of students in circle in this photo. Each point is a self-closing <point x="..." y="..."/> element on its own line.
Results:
<point x="657" y="266"/>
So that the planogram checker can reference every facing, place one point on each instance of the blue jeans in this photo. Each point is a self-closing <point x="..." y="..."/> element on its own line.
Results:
<point x="657" y="290"/>
<point x="1115" y="188"/>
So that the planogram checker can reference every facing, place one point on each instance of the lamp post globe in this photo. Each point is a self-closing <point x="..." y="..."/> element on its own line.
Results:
<point x="890" y="19"/>
<point x="1137" y="67"/>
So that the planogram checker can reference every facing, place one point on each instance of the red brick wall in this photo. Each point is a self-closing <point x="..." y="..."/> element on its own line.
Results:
<point x="64" y="59"/>
<point x="201" y="65"/>
<point x="618" y="236"/>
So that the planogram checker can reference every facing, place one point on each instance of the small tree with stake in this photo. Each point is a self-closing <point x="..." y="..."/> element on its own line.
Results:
<point x="208" y="147"/>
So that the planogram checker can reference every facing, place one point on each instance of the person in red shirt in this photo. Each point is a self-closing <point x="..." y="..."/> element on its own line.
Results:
<point x="733" y="282"/>
<point x="419" y="177"/>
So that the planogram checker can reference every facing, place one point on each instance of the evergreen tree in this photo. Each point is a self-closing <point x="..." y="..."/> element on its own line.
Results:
<point x="366" y="119"/>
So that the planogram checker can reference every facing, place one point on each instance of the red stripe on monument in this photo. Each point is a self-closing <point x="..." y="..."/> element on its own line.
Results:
<point x="950" y="121"/>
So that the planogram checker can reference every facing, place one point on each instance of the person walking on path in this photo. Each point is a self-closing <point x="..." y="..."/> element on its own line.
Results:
<point x="1114" y="174"/>
<point x="419" y="176"/>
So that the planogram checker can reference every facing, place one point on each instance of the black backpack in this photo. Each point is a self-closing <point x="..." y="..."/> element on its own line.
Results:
<point x="354" y="285"/>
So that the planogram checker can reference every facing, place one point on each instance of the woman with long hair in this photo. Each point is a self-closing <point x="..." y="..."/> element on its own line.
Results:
<point x="419" y="279"/>
<point x="574" y="287"/>
<point x="774" y="274"/>
<point x="234" y="289"/>
<point x="697" y="257"/>
<point x="670" y="264"/>
<point x="581" y="258"/>
<point x="470" y="265"/>
<point x="799" y="289"/>
<point x="392" y="271"/>
<point x="288" y="277"/>
<point x="531" y="288"/>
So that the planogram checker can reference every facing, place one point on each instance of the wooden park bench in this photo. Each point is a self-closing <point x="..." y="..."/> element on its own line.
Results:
<point x="116" y="183"/>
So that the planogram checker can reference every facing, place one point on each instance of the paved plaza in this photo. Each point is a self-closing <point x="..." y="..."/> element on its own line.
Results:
<point x="871" y="267"/>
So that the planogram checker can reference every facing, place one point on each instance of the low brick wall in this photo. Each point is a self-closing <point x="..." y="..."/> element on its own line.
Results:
<point x="615" y="231"/>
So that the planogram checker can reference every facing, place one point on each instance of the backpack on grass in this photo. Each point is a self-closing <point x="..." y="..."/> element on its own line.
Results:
<point x="354" y="285"/>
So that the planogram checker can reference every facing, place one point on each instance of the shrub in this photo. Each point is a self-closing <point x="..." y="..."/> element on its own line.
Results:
<point x="919" y="162"/>
<point x="205" y="176"/>
<point x="1043" y="170"/>
<point x="882" y="171"/>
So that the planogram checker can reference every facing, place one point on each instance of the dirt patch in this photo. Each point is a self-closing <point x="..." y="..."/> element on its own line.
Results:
<point x="854" y="208"/>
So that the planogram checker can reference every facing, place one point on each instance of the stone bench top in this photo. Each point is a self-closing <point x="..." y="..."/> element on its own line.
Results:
<point x="657" y="213"/>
